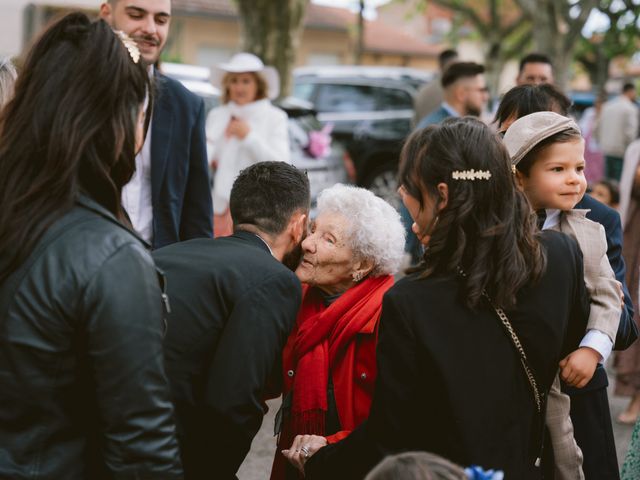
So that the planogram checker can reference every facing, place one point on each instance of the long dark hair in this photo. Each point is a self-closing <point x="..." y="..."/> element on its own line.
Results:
<point x="487" y="228"/>
<point x="69" y="128"/>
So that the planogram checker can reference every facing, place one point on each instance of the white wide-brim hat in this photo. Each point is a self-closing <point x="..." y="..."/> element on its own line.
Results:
<point x="247" y="62"/>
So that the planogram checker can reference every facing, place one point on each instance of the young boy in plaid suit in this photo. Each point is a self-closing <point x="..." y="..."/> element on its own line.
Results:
<point x="547" y="151"/>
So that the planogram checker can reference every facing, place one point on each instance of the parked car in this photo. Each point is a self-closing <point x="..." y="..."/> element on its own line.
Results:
<point x="371" y="109"/>
<point x="196" y="79"/>
<point x="323" y="170"/>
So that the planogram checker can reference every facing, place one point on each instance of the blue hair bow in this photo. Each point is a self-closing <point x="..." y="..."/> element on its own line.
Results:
<point x="475" y="472"/>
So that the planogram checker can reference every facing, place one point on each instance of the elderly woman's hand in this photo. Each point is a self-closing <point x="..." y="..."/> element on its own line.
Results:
<point x="302" y="448"/>
<point x="237" y="128"/>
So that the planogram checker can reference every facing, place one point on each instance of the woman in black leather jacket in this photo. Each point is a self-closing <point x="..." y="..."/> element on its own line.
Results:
<point x="83" y="394"/>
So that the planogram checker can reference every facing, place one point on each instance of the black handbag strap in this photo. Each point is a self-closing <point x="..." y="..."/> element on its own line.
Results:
<point x="517" y="344"/>
<point x="538" y="397"/>
<point x="511" y="333"/>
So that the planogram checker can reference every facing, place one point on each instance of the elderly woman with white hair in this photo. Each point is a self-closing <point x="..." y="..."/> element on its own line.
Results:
<point x="354" y="247"/>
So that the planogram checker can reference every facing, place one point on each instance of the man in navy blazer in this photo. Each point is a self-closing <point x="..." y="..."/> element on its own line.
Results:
<point x="168" y="199"/>
<point x="465" y="93"/>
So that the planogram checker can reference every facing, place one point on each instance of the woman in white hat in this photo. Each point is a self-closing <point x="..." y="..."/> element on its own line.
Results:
<point x="244" y="130"/>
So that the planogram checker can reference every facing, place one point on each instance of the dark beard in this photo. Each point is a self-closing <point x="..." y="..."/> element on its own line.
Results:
<point x="473" y="111"/>
<point x="292" y="259"/>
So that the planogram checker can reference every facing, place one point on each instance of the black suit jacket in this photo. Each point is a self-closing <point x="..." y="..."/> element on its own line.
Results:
<point x="449" y="379"/>
<point x="180" y="191"/>
<point x="232" y="308"/>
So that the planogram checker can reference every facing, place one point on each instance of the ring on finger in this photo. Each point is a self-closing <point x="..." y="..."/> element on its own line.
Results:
<point x="305" y="449"/>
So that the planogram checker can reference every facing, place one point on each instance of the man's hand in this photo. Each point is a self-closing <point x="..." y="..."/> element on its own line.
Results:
<point x="302" y="448"/>
<point x="578" y="367"/>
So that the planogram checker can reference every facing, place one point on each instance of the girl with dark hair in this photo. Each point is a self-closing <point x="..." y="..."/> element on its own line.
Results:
<point x="83" y="392"/>
<point x="470" y="341"/>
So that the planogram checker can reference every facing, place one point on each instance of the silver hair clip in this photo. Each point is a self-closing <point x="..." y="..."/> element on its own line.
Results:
<point x="130" y="45"/>
<point x="471" y="174"/>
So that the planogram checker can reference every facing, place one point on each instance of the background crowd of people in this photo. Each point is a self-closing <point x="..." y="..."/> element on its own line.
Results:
<point x="135" y="345"/>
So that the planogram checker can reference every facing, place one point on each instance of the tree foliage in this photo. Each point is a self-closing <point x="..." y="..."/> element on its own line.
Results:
<point x="557" y="27"/>
<point x="619" y="37"/>
<point x="271" y="30"/>
<point x="509" y="28"/>
<point x="502" y="26"/>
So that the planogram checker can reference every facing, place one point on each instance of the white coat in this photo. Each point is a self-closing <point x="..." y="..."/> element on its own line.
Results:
<point x="268" y="140"/>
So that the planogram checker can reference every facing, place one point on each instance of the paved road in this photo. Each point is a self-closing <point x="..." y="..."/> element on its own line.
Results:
<point x="257" y="465"/>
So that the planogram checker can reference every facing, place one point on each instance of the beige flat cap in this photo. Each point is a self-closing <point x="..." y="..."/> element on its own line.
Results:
<point x="528" y="131"/>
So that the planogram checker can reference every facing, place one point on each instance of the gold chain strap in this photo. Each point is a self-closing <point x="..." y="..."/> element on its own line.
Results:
<point x="523" y="356"/>
<point x="516" y="342"/>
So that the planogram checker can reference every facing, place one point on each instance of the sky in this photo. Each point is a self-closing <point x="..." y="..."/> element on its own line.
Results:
<point x="370" y="5"/>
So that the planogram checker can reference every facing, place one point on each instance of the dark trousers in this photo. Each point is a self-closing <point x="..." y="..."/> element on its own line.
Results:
<point x="413" y="245"/>
<point x="594" y="433"/>
<point x="613" y="167"/>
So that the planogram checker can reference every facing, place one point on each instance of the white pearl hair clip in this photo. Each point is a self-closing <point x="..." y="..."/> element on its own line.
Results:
<point x="130" y="45"/>
<point x="471" y="174"/>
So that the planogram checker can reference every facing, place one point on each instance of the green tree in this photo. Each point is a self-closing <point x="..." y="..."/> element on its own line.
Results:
<point x="503" y="28"/>
<point x="271" y="30"/>
<point x="557" y="28"/>
<point x="618" y="38"/>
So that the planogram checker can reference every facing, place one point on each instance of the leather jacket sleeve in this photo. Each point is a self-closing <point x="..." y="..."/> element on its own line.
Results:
<point x="123" y="333"/>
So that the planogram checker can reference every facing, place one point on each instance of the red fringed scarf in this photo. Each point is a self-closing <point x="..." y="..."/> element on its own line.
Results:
<point x="324" y="342"/>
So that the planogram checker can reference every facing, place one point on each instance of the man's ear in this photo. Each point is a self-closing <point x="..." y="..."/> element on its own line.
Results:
<point x="299" y="226"/>
<point x="458" y="91"/>
<point x="105" y="11"/>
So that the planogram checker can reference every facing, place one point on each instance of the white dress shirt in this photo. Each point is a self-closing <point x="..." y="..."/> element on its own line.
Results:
<point x="595" y="339"/>
<point x="136" y="195"/>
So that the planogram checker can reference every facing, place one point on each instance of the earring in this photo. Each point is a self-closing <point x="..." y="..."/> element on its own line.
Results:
<point x="357" y="276"/>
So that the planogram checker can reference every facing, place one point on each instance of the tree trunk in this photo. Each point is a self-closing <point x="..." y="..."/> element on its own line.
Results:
<point x="359" y="50"/>
<point x="271" y="30"/>
<point x="494" y="62"/>
<point x="602" y="70"/>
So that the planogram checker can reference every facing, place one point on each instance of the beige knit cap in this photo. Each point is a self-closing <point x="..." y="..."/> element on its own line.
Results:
<point x="528" y="131"/>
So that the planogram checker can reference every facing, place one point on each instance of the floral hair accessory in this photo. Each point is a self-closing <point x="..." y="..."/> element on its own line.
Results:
<point x="471" y="174"/>
<point x="130" y="45"/>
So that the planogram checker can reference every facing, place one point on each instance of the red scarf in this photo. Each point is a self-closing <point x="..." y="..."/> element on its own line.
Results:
<point x="324" y="342"/>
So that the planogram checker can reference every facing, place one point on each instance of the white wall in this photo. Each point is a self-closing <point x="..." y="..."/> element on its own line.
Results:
<point x="12" y="20"/>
